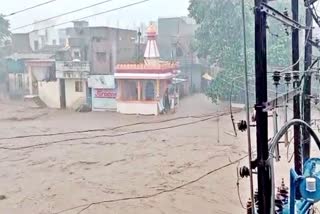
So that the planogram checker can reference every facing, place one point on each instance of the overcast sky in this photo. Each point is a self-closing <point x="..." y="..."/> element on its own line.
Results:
<point x="130" y="17"/>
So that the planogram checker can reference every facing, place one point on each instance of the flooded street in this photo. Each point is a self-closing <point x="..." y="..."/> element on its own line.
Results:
<point x="66" y="162"/>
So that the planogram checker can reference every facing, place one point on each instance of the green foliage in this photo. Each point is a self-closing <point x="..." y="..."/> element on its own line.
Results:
<point x="219" y="39"/>
<point x="4" y="36"/>
<point x="4" y="30"/>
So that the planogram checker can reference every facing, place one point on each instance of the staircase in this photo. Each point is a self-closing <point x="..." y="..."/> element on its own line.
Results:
<point x="35" y="99"/>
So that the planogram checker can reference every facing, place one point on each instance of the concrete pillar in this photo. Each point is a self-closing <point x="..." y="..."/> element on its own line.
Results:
<point x="158" y="89"/>
<point x="119" y="92"/>
<point x="30" y="80"/>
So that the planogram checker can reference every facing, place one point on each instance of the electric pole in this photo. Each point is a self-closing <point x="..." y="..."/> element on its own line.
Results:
<point x="264" y="180"/>
<point x="139" y="44"/>
<point x="296" y="98"/>
<point x="307" y="84"/>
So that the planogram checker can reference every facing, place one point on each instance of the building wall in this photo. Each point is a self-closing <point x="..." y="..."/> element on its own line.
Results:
<point x="45" y="37"/>
<point x="74" y="99"/>
<point x="172" y="32"/>
<point x="103" y="64"/>
<point x="20" y="43"/>
<point x="49" y="93"/>
<point x="123" y="40"/>
<point x="136" y="107"/>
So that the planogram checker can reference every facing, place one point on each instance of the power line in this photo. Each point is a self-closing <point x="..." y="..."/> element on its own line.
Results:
<point x="29" y="8"/>
<point x="87" y="206"/>
<point x="104" y="129"/>
<point x="303" y="50"/>
<point x="96" y="14"/>
<point x="40" y="145"/>
<point x="63" y="14"/>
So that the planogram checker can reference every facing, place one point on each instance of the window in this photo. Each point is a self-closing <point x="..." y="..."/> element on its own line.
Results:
<point x="36" y="45"/>
<point x="54" y="42"/>
<point x="77" y="55"/>
<point x="101" y="56"/>
<point x="78" y="86"/>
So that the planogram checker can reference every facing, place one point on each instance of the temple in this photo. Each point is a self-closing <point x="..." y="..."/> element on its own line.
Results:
<point x="143" y="87"/>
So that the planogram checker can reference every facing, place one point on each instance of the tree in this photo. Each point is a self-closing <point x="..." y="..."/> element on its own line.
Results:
<point x="4" y="30"/>
<point x="4" y="37"/>
<point x="219" y="39"/>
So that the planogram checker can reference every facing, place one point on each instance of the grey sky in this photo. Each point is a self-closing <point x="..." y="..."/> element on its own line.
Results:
<point x="126" y="18"/>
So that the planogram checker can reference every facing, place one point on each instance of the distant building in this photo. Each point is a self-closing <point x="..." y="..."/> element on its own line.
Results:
<point x="20" y="43"/>
<point x="102" y="46"/>
<point x="43" y="36"/>
<point x="54" y="65"/>
<point x="175" y="39"/>
<point x="20" y="81"/>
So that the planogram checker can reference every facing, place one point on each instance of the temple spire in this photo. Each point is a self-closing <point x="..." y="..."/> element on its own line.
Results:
<point x="151" y="53"/>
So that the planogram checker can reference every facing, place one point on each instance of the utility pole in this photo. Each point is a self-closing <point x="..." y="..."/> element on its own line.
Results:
<point x="139" y="43"/>
<point x="264" y="180"/>
<point x="307" y="84"/>
<point x="296" y="98"/>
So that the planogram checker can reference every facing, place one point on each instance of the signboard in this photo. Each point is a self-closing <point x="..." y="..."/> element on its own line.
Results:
<point x="104" y="99"/>
<point x="101" y="81"/>
<point x="105" y="93"/>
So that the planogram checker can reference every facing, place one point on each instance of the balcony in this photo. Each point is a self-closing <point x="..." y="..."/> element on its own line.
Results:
<point x="72" y="70"/>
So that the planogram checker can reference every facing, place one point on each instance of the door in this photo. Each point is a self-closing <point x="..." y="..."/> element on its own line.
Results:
<point x="62" y="93"/>
<point x="149" y="91"/>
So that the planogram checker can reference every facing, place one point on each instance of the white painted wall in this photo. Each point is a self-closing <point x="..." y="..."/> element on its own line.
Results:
<point x="135" y="107"/>
<point x="74" y="99"/>
<point x="49" y="93"/>
<point x="44" y="37"/>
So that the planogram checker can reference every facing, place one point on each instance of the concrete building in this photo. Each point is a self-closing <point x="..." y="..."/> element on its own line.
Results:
<point x="72" y="76"/>
<point x="143" y="87"/>
<point x="175" y="39"/>
<point x="102" y="46"/>
<point x="42" y="36"/>
<point x="43" y="86"/>
<point x="57" y="84"/>
<point x="18" y="77"/>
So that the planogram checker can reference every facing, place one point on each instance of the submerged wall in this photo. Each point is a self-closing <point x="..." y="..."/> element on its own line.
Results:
<point x="138" y="107"/>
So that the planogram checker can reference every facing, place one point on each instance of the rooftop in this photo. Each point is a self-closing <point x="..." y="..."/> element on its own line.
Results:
<point x="30" y="56"/>
<point x="141" y="66"/>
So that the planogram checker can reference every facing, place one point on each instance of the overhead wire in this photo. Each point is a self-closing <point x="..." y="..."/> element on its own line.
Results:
<point x="303" y="50"/>
<point x="29" y="8"/>
<point x="60" y="15"/>
<point x="103" y="129"/>
<point x="93" y="15"/>
<point x="247" y="106"/>
<point x="87" y="206"/>
<point x="40" y="145"/>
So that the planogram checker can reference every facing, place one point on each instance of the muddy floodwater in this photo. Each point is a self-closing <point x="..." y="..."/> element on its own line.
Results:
<point x="55" y="161"/>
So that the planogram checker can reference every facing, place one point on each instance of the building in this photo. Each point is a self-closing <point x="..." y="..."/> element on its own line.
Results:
<point x="18" y="80"/>
<point x="143" y="87"/>
<point x="104" y="93"/>
<point x="176" y="35"/>
<point x="103" y="47"/>
<point x="73" y="79"/>
<point x="43" y="36"/>
<point x="43" y="87"/>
